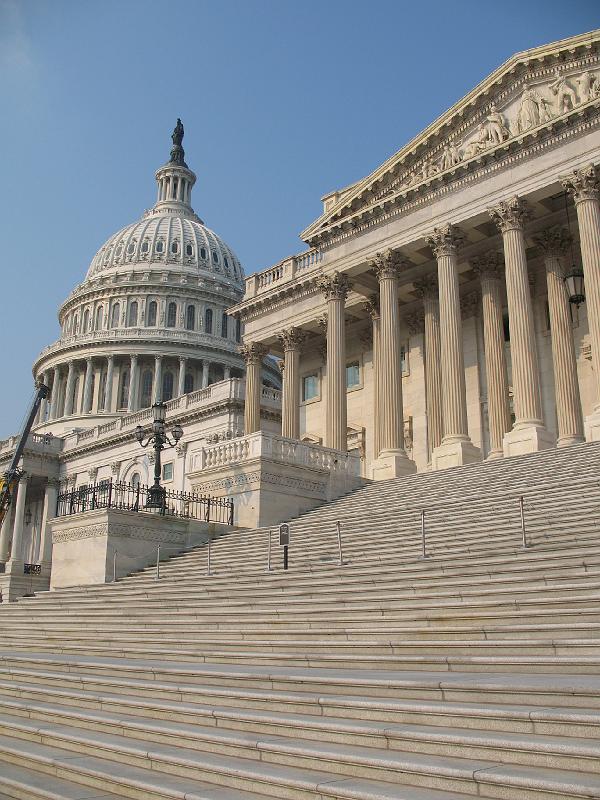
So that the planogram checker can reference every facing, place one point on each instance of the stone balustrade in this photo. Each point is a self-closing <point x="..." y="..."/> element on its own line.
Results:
<point x="284" y="270"/>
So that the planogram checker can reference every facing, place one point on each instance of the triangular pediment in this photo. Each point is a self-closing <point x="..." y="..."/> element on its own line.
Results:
<point x="533" y="90"/>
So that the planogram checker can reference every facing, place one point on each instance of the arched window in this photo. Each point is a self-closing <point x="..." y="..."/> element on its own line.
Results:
<point x="135" y="480"/>
<point x="75" y="395"/>
<point x="160" y="246"/>
<point x="151" y="313"/>
<point x="124" y="390"/>
<point x="171" y="315"/>
<point x="99" y="318"/>
<point x="102" y="391"/>
<point x="167" y="387"/>
<point x="146" y="398"/>
<point x="86" y="321"/>
<point x="190" y="318"/>
<point x="145" y="246"/>
<point x="189" y="250"/>
<point x="208" y="320"/>
<point x="215" y="256"/>
<point x="175" y="185"/>
<point x="130" y="248"/>
<point x="76" y="324"/>
<point x="133" y="314"/>
<point x="238" y="330"/>
<point x="226" y="262"/>
<point x="188" y="383"/>
<point x="224" y="319"/>
<point x="174" y="246"/>
<point x="114" y="319"/>
<point x="202" y="252"/>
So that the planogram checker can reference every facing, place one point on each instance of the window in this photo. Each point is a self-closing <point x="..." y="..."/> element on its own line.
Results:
<point x="145" y="246"/>
<point x="119" y="251"/>
<point x="188" y="383"/>
<point x="224" y="319"/>
<point x="175" y="185"/>
<point x="114" y="319"/>
<point x="174" y="246"/>
<point x="99" y="318"/>
<point x="215" y="256"/>
<point x="124" y="392"/>
<point x="226" y="262"/>
<point x="167" y="387"/>
<point x="310" y="387"/>
<point x="152" y="313"/>
<point x="238" y="330"/>
<point x="130" y="248"/>
<point x="190" y="318"/>
<point x="86" y="321"/>
<point x="167" y="471"/>
<point x="352" y="375"/>
<point x="146" y="398"/>
<point x="403" y="361"/>
<point x="135" y="480"/>
<point x="160" y="246"/>
<point x="133" y="314"/>
<point x="171" y="315"/>
<point x="102" y="391"/>
<point x="203" y="252"/>
<point x="189" y="250"/>
<point x="208" y="320"/>
<point x="75" y="324"/>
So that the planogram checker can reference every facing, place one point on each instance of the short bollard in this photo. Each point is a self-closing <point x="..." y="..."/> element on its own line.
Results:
<point x="208" y="556"/>
<point x="158" y="563"/>
<point x="339" y="536"/>
<point x="523" y="531"/>
<point x="269" y="553"/>
<point x="423" y="545"/>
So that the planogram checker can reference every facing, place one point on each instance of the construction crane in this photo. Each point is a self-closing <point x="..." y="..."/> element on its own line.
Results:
<point x="9" y="480"/>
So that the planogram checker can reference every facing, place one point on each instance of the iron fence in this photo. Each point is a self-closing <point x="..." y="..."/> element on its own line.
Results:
<point x="130" y="497"/>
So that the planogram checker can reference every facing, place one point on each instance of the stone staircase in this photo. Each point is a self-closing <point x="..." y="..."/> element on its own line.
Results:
<point x="472" y="672"/>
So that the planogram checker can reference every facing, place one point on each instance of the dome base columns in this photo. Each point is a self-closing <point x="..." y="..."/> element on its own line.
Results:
<point x="529" y="434"/>
<point x="253" y="354"/>
<point x="456" y="448"/>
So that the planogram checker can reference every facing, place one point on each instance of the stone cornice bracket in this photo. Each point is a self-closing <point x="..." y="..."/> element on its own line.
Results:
<point x="488" y="266"/>
<point x="553" y="241"/>
<point x="582" y="183"/>
<point x="292" y="339"/>
<point x="511" y="214"/>
<point x="253" y="352"/>
<point x="426" y="288"/>
<point x="93" y="474"/>
<point x="387" y="265"/>
<point x="445" y="240"/>
<point x="371" y="306"/>
<point x="115" y="467"/>
<point x="335" y="286"/>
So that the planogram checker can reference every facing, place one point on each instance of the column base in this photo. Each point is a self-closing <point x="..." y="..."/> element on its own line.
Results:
<point x="495" y="454"/>
<point x="392" y="464"/>
<point x="565" y="441"/>
<point x="528" y="439"/>
<point x="592" y="426"/>
<point x="455" y="453"/>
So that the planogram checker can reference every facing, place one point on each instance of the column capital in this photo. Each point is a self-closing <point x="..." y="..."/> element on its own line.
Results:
<point x="281" y="365"/>
<point x="582" y="183"/>
<point x="253" y="352"/>
<point x="134" y="356"/>
<point x="158" y="358"/>
<point x="335" y="286"/>
<point x="426" y="288"/>
<point x="445" y="240"/>
<point x="23" y="477"/>
<point x="93" y="474"/>
<point x="415" y="323"/>
<point x="322" y="323"/>
<point x="488" y="266"/>
<point x="292" y="338"/>
<point x="469" y="304"/>
<point x="511" y="214"/>
<point x="553" y="241"/>
<point x="115" y="467"/>
<point x="182" y="359"/>
<point x="54" y="483"/>
<point x="371" y="306"/>
<point x="387" y="264"/>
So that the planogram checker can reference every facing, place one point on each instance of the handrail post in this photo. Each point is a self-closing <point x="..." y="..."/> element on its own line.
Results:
<point x="339" y="537"/>
<point x="523" y="531"/>
<point x="158" y="563"/>
<point x="423" y="543"/>
<point x="269" y="553"/>
<point x="114" y="566"/>
<point x="208" y="556"/>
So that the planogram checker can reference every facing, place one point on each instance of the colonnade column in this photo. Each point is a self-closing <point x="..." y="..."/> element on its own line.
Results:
<point x="253" y="354"/>
<point x="489" y="269"/>
<point x="16" y="554"/>
<point x="44" y="404"/>
<point x="205" y="373"/>
<point x="392" y="460"/>
<point x="554" y="243"/>
<point x="292" y="341"/>
<point x="48" y="513"/>
<point x="133" y="382"/>
<point x="5" y="535"/>
<point x="69" y="389"/>
<point x="584" y="186"/>
<point x="181" y="378"/>
<point x="372" y="309"/>
<point x="87" y="386"/>
<point x="108" y="389"/>
<point x="55" y="394"/>
<point x="456" y="447"/>
<point x="336" y="288"/>
<point x="157" y="379"/>
<point x="528" y="434"/>
<point x="427" y="289"/>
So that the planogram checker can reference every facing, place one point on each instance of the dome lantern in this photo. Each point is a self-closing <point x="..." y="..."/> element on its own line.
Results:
<point x="175" y="179"/>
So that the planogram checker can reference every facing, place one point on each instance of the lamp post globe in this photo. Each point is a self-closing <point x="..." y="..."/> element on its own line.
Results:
<point x="158" y="439"/>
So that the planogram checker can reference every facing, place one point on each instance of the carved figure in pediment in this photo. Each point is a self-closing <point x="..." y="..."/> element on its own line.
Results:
<point x="450" y="156"/>
<point x="496" y="127"/>
<point x="479" y="144"/>
<point x="566" y="96"/>
<point x="589" y="87"/>
<point x="529" y="112"/>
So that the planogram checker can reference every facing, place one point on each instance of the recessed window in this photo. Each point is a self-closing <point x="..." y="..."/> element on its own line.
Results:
<point x="167" y="387"/>
<point x="130" y="248"/>
<point x="188" y="383"/>
<point x="171" y="315"/>
<point x="208" y="316"/>
<point x="119" y="251"/>
<point x="215" y="256"/>
<point x="226" y="262"/>
<point x="310" y="387"/>
<point x="238" y="330"/>
<point x="190" y="318"/>
<point x="114" y="319"/>
<point x="167" y="471"/>
<point x="151" y="313"/>
<point x="352" y="375"/>
<point x="145" y="246"/>
<point x="224" y="319"/>
<point x="86" y="321"/>
<point x="146" y="388"/>
<point x="189" y="250"/>
<point x="135" y="480"/>
<point x="159" y="246"/>
<point x="99" y="318"/>
<point x="124" y="389"/>
<point x="175" y="246"/>
<point x="202" y="252"/>
<point x="133" y="314"/>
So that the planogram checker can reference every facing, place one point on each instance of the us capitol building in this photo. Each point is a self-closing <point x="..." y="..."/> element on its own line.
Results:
<point x="428" y="324"/>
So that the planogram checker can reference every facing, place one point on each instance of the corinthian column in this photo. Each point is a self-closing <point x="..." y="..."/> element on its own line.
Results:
<point x="427" y="289"/>
<point x="336" y="288"/>
<point x="158" y="379"/>
<point x="554" y="243"/>
<point x="292" y="341"/>
<point x="372" y="309"/>
<point x="392" y="460"/>
<point x="55" y="395"/>
<point x="133" y="382"/>
<point x="529" y="433"/>
<point x="16" y="551"/>
<point x="582" y="184"/>
<point x="253" y="354"/>
<point x="489" y="269"/>
<point x="69" y="389"/>
<point x="108" y="386"/>
<point x="456" y="447"/>
<point x="87" y="386"/>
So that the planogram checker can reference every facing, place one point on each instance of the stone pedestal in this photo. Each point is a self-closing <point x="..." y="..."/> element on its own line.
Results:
<point x="454" y="453"/>
<point x="392" y="464"/>
<point x="527" y="439"/>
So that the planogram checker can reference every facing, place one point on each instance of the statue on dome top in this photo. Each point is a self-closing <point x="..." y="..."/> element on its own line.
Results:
<point x="177" y="135"/>
<point x="177" y="151"/>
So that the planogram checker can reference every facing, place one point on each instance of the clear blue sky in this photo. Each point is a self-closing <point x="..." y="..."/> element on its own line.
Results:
<point x="282" y="102"/>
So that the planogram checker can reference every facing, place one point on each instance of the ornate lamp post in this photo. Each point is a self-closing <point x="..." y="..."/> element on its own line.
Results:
<point x="574" y="277"/>
<point x="158" y="439"/>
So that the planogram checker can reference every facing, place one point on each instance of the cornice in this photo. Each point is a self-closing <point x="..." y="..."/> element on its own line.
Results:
<point x="283" y="295"/>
